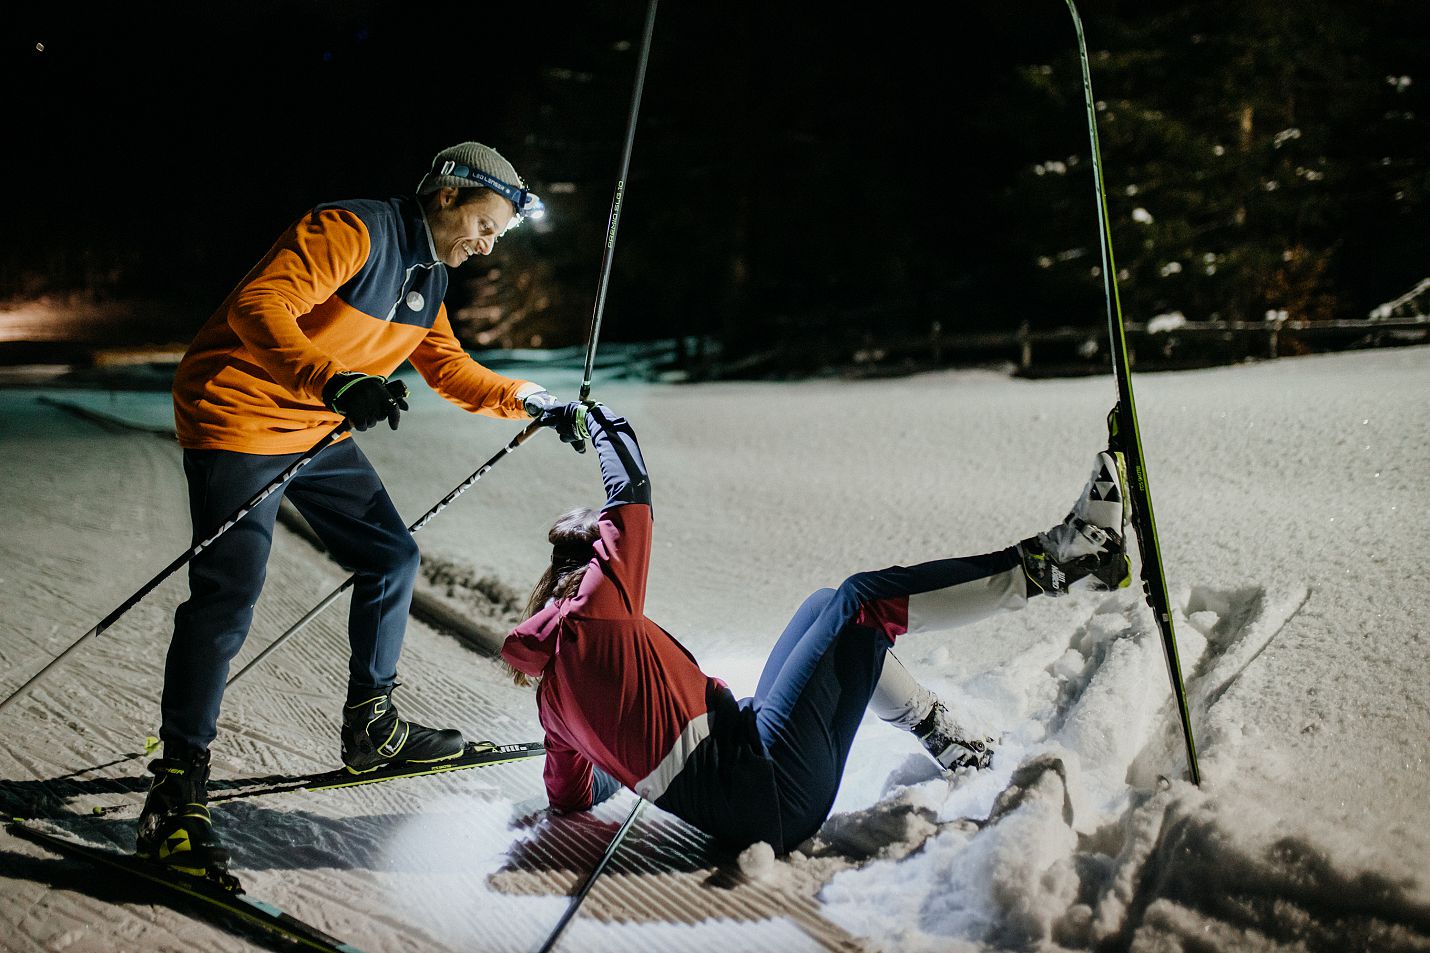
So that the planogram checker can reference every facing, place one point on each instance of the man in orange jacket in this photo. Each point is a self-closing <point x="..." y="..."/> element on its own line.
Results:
<point x="308" y="338"/>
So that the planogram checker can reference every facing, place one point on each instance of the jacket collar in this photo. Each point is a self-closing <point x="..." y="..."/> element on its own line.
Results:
<point x="424" y="250"/>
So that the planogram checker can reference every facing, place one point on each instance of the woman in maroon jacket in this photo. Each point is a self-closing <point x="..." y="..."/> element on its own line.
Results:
<point x="624" y="704"/>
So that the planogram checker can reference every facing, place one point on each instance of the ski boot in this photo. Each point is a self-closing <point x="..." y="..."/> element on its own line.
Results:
<point x="175" y="829"/>
<point x="1088" y="549"/>
<point x="949" y="744"/>
<point x="373" y="735"/>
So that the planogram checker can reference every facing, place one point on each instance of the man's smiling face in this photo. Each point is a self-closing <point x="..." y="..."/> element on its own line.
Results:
<point x="460" y="231"/>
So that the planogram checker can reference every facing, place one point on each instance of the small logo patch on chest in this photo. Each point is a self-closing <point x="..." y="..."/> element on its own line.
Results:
<point x="415" y="301"/>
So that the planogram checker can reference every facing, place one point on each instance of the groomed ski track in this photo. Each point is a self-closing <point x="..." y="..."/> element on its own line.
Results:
<point x="1300" y="646"/>
<point x="424" y="864"/>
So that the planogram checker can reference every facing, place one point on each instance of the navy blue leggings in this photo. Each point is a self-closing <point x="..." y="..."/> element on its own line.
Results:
<point x="821" y="673"/>
<point x="343" y="499"/>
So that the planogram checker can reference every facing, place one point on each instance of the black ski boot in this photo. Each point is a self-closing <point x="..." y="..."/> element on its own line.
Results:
<point x="174" y="828"/>
<point x="1088" y="549"/>
<point x="373" y="735"/>
<point x="949" y="744"/>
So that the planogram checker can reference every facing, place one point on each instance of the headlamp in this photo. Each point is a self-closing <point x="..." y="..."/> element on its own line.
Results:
<point x="527" y="204"/>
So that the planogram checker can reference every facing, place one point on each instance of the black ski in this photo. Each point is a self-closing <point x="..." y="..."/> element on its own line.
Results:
<point x="478" y="754"/>
<point x="219" y="900"/>
<point x="1126" y="437"/>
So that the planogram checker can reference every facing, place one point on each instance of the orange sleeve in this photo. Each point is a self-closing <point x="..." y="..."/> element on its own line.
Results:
<point x="451" y="372"/>
<point x="307" y="266"/>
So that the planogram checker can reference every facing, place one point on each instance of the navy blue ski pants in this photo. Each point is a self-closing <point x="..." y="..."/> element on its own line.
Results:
<point x="821" y="674"/>
<point x="343" y="499"/>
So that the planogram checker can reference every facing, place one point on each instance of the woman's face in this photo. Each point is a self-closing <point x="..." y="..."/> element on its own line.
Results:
<point x="461" y="231"/>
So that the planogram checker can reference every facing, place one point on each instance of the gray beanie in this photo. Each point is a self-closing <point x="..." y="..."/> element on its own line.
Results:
<point x="474" y="155"/>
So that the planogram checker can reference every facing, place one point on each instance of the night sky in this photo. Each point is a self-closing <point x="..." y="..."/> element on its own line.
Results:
<point x="156" y="150"/>
<point x="794" y="161"/>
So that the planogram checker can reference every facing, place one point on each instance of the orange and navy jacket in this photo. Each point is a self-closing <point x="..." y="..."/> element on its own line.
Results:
<point x="620" y="699"/>
<point x="351" y="286"/>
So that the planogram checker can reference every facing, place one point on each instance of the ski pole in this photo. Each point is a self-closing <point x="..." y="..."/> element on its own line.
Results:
<point x="426" y="518"/>
<point x="615" y="218"/>
<point x="580" y="895"/>
<point x="186" y="556"/>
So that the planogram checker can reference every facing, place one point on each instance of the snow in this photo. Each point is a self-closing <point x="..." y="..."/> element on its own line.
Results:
<point x="1409" y="305"/>
<point x="1170" y="321"/>
<point x="757" y="862"/>
<point x="1291" y="502"/>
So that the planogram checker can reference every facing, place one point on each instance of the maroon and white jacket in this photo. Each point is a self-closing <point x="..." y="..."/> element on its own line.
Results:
<point x="619" y="695"/>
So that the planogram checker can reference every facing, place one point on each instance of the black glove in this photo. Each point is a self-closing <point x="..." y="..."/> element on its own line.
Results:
<point x="569" y="422"/>
<point x="365" y="399"/>
<point x="550" y="412"/>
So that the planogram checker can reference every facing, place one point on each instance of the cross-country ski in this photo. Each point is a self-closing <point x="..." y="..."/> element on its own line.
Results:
<point x="217" y="898"/>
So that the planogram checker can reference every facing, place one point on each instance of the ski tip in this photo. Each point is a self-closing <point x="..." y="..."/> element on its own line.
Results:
<point x="151" y="744"/>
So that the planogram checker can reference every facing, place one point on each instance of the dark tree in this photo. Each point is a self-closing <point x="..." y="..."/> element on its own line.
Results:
<point x="1260" y="157"/>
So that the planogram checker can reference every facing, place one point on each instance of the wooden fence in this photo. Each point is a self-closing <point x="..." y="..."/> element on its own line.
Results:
<point x="1066" y="350"/>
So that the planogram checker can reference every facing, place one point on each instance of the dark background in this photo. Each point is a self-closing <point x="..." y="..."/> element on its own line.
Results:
<point x="832" y="174"/>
